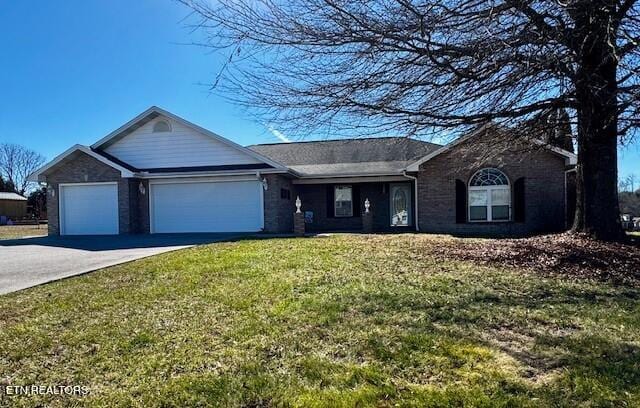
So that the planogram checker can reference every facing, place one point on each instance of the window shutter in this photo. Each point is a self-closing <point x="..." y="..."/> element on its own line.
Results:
<point x="461" y="202"/>
<point x="518" y="200"/>
<point x="355" y="190"/>
<point x="330" y="201"/>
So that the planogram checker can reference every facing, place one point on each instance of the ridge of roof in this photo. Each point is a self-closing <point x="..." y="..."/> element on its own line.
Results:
<point x="349" y="139"/>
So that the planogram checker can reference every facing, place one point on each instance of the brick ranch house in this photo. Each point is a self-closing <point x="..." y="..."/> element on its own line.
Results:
<point x="159" y="173"/>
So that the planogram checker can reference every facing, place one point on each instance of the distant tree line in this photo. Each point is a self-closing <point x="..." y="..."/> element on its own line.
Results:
<point x="629" y="193"/>
<point x="16" y="164"/>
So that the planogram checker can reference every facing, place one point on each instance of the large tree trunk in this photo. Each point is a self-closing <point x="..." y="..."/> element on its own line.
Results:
<point x="597" y="207"/>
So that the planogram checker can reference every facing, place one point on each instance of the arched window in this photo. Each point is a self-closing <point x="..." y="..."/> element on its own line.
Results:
<point x="489" y="196"/>
<point x="161" y="126"/>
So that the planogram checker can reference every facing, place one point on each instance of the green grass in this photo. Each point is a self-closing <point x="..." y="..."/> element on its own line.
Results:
<point x="340" y="321"/>
<point x="21" y="231"/>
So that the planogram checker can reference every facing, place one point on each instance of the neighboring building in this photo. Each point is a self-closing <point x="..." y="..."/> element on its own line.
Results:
<point x="159" y="173"/>
<point x="12" y="206"/>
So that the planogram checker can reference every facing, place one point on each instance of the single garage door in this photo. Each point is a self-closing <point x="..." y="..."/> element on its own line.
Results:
<point x="89" y="209"/>
<point x="229" y="206"/>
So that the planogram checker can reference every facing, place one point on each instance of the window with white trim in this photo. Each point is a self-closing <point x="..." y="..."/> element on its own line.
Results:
<point x="343" y="201"/>
<point x="489" y="196"/>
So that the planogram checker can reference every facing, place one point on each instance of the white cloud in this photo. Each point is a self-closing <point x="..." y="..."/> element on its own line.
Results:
<point x="278" y="134"/>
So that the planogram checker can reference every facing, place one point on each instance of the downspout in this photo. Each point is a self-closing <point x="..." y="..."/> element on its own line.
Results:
<point x="415" y="195"/>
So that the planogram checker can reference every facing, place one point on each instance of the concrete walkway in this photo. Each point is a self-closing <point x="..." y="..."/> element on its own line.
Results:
<point x="33" y="261"/>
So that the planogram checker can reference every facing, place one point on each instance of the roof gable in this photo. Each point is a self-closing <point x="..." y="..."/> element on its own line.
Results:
<point x="185" y="145"/>
<point x="39" y="175"/>
<point x="570" y="158"/>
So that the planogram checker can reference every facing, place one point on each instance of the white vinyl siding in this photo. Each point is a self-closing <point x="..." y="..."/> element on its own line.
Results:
<point x="229" y="206"/>
<point x="89" y="209"/>
<point x="181" y="147"/>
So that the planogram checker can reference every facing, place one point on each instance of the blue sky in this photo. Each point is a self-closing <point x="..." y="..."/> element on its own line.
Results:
<point x="74" y="70"/>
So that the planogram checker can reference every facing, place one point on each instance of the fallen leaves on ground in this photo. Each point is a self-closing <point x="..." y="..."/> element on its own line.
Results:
<point x="572" y="255"/>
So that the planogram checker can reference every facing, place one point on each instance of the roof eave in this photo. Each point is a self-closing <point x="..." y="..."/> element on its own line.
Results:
<point x="146" y="175"/>
<point x="37" y="176"/>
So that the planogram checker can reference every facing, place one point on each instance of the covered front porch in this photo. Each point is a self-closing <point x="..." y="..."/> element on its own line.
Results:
<point x="338" y="204"/>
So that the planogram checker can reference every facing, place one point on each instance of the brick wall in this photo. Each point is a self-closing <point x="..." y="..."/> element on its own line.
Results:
<point x="544" y="188"/>
<point x="278" y="212"/>
<point x="82" y="168"/>
<point x="314" y="198"/>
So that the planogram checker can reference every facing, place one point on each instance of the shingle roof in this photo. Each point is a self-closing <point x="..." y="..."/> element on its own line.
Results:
<point x="385" y="155"/>
<point x="11" y="196"/>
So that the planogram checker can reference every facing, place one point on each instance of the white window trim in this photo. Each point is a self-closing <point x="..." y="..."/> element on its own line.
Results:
<point x="335" y="214"/>
<point x="489" y="189"/>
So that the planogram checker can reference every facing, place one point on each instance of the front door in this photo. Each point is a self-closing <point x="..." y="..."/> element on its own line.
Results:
<point x="400" y="195"/>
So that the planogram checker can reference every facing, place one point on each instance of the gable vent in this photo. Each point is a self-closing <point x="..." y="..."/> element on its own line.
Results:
<point x="161" y="126"/>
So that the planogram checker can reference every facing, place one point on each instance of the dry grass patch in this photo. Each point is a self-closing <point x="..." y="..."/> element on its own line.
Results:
<point x="21" y="231"/>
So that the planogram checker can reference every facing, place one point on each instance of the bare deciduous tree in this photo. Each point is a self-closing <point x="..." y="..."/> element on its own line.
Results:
<point x="420" y="66"/>
<point x="17" y="163"/>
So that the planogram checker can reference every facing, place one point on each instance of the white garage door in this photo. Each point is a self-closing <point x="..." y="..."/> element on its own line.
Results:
<point x="231" y="206"/>
<point x="89" y="209"/>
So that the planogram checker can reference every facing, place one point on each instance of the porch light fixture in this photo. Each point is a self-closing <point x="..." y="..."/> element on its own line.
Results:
<point x="367" y="205"/>
<point x="141" y="188"/>
<point x="265" y="184"/>
<point x="298" y="205"/>
<point x="53" y="191"/>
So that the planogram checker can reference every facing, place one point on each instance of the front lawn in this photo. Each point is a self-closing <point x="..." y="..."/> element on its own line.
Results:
<point x="334" y="321"/>
<point x="21" y="231"/>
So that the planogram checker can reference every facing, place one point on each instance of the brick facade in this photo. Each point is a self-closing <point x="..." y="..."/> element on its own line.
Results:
<point x="278" y="211"/>
<point x="314" y="198"/>
<point x="544" y="174"/>
<point x="82" y="168"/>
<point x="544" y="189"/>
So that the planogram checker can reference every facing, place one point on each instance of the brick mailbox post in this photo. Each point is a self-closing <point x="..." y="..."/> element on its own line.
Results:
<point x="298" y="219"/>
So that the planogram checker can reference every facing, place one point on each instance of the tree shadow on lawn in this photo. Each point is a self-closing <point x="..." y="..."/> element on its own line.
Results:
<point x="550" y="358"/>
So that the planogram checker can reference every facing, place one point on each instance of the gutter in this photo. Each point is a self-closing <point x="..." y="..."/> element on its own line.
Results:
<point x="415" y="195"/>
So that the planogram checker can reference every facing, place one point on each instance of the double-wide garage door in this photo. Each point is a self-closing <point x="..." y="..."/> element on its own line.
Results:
<point x="230" y="206"/>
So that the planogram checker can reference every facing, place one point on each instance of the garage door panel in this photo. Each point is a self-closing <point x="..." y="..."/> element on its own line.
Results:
<point x="207" y="207"/>
<point x="89" y="209"/>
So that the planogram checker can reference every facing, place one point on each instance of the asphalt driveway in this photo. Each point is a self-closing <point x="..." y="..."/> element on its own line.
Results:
<point x="34" y="261"/>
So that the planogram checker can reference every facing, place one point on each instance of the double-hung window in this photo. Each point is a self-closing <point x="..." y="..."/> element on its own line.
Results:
<point x="489" y="196"/>
<point x="343" y="204"/>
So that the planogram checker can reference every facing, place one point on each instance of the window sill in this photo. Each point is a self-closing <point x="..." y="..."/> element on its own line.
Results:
<point x="491" y="222"/>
